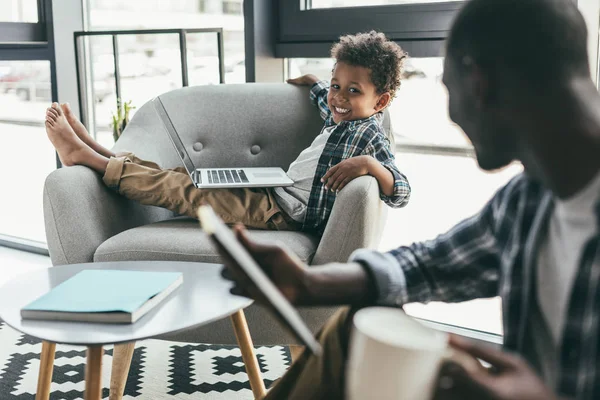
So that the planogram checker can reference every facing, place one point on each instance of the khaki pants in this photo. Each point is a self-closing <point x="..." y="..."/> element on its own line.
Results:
<point x="147" y="183"/>
<point x="316" y="378"/>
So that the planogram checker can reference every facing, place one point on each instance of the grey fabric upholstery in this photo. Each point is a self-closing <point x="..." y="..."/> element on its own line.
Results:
<point x="222" y="126"/>
<point x="148" y="242"/>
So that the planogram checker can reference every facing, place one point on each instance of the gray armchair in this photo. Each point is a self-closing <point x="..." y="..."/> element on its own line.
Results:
<point x="223" y="126"/>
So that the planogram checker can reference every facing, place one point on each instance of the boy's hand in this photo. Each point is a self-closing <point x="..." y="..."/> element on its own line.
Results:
<point x="286" y="271"/>
<point x="339" y="175"/>
<point x="304" y="80"/>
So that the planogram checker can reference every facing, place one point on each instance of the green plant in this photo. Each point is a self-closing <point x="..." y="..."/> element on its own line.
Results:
<point x="121" y="118"/>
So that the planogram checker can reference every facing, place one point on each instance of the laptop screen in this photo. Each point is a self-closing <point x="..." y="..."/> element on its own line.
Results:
<point x="175" y="139"/>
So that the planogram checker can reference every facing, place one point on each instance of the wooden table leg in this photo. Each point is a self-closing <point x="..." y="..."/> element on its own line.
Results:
<point x="296" y="351"/>
<point x="244" y="340"/>
<point x="46" y="368"/>
<point x="121" y="362"/>
<point x="93" y="373"/>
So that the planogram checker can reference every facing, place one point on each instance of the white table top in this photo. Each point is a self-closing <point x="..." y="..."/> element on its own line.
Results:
<point x="202" y="298"/>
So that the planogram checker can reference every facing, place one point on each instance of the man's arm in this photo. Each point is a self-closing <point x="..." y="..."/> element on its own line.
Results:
<point x="330" y="284"/>
<point x="463" y="264"/>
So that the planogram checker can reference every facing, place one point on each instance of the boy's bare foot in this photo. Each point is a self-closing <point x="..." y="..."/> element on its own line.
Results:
<point x="82" y="133"/>
<point x="71" y="150"/>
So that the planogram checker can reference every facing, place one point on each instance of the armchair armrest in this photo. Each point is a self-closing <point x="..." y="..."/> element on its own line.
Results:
<point x="80" y="213"/>
<point x="356" y="221"/>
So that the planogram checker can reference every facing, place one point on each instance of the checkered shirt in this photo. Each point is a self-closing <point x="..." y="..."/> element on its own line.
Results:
<point x="349" y="139"/>
<point x="494" y="253"/>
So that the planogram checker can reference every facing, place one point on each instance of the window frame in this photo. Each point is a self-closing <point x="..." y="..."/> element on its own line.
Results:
<point x="25" y="33"/>
<point x="419" y="28"/>
<point x="30" y="41"/>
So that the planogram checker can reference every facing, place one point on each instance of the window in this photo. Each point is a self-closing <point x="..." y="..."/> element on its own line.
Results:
<point x="359" y="3"/>
<point x="419" y="112"/>
<point x="27" y="86"/>
<point x="151" y="64"/>
<point x="307" y="28"/>
<point x="25" y="92"/>
<point x="19" y="11"/>
<point x="232" y="7"/>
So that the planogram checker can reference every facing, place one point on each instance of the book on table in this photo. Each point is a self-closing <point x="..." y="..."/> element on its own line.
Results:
<point x="105" y="296"/>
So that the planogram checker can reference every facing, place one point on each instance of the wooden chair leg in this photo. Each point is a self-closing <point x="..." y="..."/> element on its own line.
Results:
<point x="121" y="362"/>
<point x="242" y="334"/>
<point x="296" y="351"/>
<point x="93" y="373"/>
<point x="46" y="368"/>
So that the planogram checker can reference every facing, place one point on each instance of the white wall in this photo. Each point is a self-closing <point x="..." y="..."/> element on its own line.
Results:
<point x="591" y="12"/>
<point x="68" y="17"/>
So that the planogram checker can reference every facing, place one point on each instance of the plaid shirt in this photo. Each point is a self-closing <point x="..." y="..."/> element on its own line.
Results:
<point x="349" y="139"/>
<point x="494" y="253"/>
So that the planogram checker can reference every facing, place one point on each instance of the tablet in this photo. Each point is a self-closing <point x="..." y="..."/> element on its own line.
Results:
<point x="277" y="303"/>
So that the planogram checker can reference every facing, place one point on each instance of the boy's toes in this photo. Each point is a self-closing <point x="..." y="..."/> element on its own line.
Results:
<point x="51" y="113"/>
<point x="56" y="107"/>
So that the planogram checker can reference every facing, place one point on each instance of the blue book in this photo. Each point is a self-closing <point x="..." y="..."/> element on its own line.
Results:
<point x="100" y="295"/>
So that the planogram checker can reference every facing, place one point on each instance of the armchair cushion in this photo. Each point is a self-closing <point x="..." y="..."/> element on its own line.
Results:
<point x="180" y="239"/>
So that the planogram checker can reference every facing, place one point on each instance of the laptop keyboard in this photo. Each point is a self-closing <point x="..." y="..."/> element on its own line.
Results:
<point x="227" y="176"/>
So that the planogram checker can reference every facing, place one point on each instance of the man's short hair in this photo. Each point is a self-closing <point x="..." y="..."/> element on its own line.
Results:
<point x="538" y="40"/>
<point x="374" y="51"/>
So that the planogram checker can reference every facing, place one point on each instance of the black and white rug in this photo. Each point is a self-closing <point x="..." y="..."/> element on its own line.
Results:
<point x="159" y="370"/>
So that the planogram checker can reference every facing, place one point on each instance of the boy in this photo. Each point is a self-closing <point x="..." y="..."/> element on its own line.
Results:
<point x="352" y="143"/>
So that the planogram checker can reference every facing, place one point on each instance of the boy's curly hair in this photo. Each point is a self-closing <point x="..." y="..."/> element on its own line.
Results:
<point x="374" y="51"/>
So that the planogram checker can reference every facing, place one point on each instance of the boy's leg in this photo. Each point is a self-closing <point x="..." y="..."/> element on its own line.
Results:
<point x="173" y="189"/>
<point x="145" y="182"/>
<point x="149" y="164"/>
<point x="312" y="378"/>
<point x="82" y="132"/>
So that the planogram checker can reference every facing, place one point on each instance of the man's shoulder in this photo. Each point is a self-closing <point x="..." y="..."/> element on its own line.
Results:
<point x="521" y="192"/>
<point x="522" y="183"/>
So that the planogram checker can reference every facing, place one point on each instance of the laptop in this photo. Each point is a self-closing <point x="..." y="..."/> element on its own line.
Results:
<point x="220" y="178"/>
<point x="276" y="302"/>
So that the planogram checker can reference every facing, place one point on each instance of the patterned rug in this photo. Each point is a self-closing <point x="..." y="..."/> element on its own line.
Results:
<point x="159" y="369"/>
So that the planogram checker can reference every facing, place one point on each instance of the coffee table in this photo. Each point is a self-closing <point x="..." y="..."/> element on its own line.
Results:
<point x="202" y="298"/>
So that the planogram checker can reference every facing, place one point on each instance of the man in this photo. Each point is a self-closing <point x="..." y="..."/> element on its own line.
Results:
<point x="519" y="86"/>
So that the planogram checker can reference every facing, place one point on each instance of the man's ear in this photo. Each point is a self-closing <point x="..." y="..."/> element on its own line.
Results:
<point x="383" y="101"/>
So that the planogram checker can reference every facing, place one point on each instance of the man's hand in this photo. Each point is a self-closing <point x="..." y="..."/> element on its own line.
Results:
<point x="286" y="271"/>
<point x="339" y="175"/>
<point x="304" y="80"/>
<point x="509" y="378"/>
<point x="329" y="284"/>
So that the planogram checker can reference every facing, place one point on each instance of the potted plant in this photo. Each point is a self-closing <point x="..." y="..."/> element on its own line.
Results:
<point x="121" y="118"/>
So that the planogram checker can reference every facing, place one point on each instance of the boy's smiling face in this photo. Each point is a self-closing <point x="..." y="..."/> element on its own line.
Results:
<point x="353" y="95"/>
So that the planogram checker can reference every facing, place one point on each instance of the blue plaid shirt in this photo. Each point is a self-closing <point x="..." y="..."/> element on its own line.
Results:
<point x="494" y="253"/>
<point x="349" y="139"/>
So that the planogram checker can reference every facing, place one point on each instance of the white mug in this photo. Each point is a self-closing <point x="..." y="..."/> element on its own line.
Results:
<point x="394" y="357"/>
